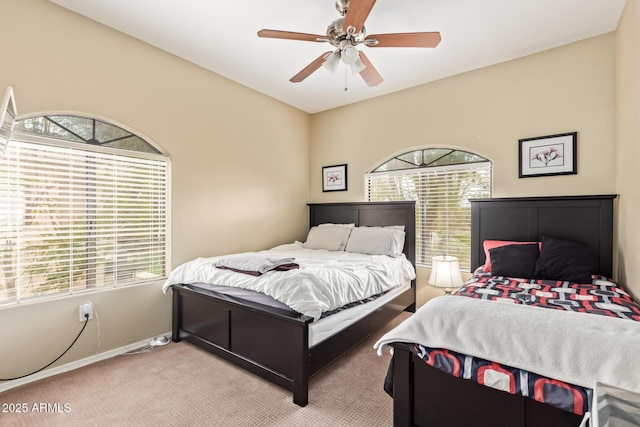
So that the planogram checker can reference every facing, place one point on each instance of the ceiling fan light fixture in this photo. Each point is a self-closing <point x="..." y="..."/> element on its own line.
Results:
<point x="357" y="67"/>
<point x="332" y="61"/>
<point x="350" y="54"/>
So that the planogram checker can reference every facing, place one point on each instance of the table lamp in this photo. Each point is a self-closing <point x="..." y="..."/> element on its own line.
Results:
<point x="445" y="273"/>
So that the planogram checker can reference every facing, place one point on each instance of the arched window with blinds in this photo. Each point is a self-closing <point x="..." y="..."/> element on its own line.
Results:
<point x="441" y="181"/>
<point x="84" y="205"/>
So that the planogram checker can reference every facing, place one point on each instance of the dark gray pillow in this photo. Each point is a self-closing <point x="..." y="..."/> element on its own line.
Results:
<point x="566" y="260"/>
<point x="514" y="260"/>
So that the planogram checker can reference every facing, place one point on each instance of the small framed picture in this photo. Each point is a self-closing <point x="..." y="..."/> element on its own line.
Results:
<point x="548" y="155"/>
<point x="334" y="178"/>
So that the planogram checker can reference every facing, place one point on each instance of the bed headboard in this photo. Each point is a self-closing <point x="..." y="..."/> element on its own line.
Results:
<point x="584" y="219"/>
<point x="370" y="214"/>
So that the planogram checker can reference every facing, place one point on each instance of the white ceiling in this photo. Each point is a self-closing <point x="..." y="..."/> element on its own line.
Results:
<point x="221" y="36"/>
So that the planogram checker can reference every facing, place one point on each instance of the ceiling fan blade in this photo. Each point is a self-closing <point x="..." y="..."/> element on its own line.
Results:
<point x="309" y="69"/>
<point x="357" y="14"/>
<point x="289" y="35"/>
<point x="404" y="40"/>
<point x="370" y="75"/>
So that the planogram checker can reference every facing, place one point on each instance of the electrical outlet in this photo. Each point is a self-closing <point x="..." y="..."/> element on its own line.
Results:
<point x="86" y="308"/>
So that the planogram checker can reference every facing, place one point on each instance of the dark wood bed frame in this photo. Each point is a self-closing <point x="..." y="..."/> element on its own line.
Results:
<point x="274" y="344"/>
<point x="425" y="396"/>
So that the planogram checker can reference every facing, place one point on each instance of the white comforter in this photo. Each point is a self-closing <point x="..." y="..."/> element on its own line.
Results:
<point x="325" y="281"/>
<point x="577" y="348"/>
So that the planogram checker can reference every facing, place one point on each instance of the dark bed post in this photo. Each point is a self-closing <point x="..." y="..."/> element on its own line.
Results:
<point x="301" y="370"/>
<point x="176" y="316"/>
<point x="402" y="388"/>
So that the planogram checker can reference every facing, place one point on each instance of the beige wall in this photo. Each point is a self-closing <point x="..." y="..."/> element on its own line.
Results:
<point x="628" y="139"/>
<point x="229" y="144"/>
<point x="239" y="164"/>
<point x="486" y="111"/>
<point x="570" y="88"/>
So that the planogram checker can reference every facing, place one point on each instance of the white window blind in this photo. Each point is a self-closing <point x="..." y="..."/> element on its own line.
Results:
<point x="443" y="213"/>
<point x="73" y="220"/>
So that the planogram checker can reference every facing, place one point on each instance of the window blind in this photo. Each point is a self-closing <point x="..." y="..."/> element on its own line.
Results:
<point x="443" y="212"/>
<point x="75" y="219"/>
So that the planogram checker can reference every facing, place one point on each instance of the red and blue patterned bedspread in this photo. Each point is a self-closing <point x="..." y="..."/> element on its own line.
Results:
<point x="601" y="297"/>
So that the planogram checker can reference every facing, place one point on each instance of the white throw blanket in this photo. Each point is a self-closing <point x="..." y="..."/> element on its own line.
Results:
<point x="576" y="348"/>
<point x="325" y="281"/>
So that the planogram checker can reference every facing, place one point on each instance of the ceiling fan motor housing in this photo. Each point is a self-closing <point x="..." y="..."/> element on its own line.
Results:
<point x="336" y="34"/>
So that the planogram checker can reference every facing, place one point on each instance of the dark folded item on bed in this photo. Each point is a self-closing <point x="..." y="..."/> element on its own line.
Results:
<point x="255" y="264"/>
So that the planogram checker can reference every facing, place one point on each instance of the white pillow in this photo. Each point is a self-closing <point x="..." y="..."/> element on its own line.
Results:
<point x="329" y="237"/>
<point x="376" y="241"/>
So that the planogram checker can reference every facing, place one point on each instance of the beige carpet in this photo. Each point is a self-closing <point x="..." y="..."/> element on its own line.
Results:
<point x="181" y="385"/>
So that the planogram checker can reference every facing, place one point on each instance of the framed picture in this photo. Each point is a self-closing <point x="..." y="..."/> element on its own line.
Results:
<point x="334" y="178"/>
<point x="548" y="155"/>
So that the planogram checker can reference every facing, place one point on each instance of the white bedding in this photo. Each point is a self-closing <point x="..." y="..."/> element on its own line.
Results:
<point x="577" y="348"/>
<point x="325" y="281"/>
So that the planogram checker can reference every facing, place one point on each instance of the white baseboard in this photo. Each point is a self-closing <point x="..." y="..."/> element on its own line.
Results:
<point x="76" y="364"/>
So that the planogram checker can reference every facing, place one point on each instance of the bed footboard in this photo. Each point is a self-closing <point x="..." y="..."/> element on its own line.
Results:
<point x="270" y="345"/>
<point x="425" y="396"/>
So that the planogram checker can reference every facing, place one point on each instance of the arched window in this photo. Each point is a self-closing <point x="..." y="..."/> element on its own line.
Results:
<point x="83" y="206"/>
<point x="441" y="181"/>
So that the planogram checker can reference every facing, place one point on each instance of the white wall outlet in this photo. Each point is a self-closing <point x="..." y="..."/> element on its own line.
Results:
<point x="86" y="308"/>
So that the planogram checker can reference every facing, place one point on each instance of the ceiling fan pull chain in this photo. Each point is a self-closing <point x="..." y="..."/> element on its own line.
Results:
<point x="345" y="79"/>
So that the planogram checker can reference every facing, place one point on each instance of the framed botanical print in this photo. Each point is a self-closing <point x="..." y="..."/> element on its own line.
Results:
<point x="334" y="178"/>
<point x="548" y="155"/>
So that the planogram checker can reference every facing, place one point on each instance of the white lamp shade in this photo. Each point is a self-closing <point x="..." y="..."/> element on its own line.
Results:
<point x="357" y="67"/>
<point x="350" y="55"/>
<point x="445" y="272"/>
<point x="332" y="61"/>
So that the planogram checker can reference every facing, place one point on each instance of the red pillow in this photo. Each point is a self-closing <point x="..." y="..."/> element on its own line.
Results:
<point x="490" y="244"/>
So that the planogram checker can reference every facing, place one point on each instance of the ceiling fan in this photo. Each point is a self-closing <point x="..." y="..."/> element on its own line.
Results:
<point x="346" y="34"/>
